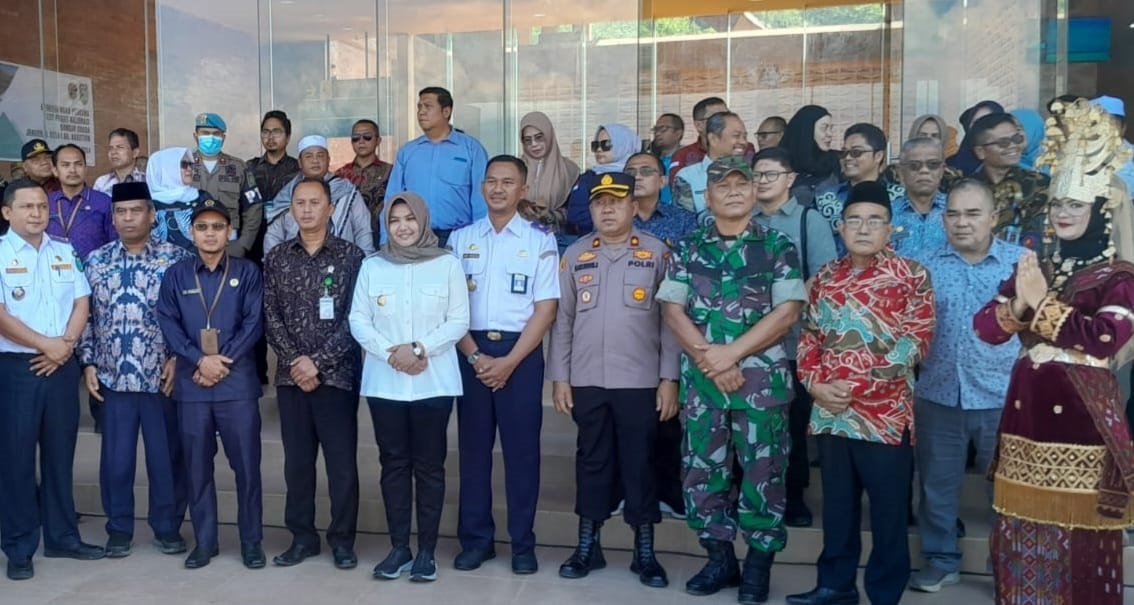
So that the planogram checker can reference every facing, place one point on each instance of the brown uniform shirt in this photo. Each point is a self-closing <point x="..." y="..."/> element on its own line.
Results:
<point x="609" y="331"/>
<point x="234" y="186"/>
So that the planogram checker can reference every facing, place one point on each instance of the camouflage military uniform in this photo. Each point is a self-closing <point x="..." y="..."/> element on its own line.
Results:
<point x="727" y="287"/>
<point x="1021" y="207"/>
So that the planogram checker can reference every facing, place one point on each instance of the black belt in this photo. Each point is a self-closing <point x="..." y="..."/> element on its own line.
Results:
<point x="495" y="335"/>
<point x="18" y="355"/>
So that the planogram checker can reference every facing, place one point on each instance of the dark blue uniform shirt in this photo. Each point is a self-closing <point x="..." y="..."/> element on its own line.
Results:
<point x="239" y="318"/>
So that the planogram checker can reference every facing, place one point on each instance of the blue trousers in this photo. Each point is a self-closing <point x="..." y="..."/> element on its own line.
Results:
<point x="156" y="416"/>
<point x="517" y="411"/>
<point x="36" y="411"/>
<point x="239" y="425"/>
<point x="943" y="436"/>
<point x="850" y="466"/>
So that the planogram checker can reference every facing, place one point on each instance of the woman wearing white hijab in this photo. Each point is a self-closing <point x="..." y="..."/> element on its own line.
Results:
<point x="168" y="175"/>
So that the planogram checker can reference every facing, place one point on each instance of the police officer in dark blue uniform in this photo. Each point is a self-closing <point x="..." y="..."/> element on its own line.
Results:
<point x="210" y="309"/>
<point x="510" y="264"/>
<point x="44" y="304"/>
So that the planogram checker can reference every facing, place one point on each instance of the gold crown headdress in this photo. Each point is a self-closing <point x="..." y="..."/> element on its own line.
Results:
<point x="1084" y="148"/>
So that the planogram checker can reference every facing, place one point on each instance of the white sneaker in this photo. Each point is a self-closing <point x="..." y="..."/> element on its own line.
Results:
<point x="668" y="511"/>
<point x="931" y="579"/>
<point x="618" y="509"/>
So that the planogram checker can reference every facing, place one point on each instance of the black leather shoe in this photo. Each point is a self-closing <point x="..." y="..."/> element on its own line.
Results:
<point x="721" y="571"/>
<point x="344" y="557"/>
<point x="118" y="546"/>
<point x="825" y="596"/>
<point x="20" y="570"/>
<point x="643" y="561"/>
<point x="524" y="564"/>
<point x="173" y="544"/>
<point x="797" y="514"/>
<point x="82" y="552"/>
<point x="201" y="556"/>
<point x="588" y="554"/>
<point x="294" y="555"/>
<point x="253" y="555"/>
<point x="756" y="577"/>
<point x="471" y="559"/>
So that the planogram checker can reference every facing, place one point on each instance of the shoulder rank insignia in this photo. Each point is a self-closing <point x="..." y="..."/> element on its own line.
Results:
<point x="596" y="242"/>
<point x="634" y="242"/>
<point x="563" y="263"/>
<point x="643" y="254"/>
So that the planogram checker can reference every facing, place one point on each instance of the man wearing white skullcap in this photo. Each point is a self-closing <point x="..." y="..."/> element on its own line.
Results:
<point x="351" y="218"/>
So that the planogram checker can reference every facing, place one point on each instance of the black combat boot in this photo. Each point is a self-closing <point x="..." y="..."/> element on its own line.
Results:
<point x="588" y="554"/>
<point x="757" y="577"/>
<point x="649" y="571"/>
<point x="721" y="571"/>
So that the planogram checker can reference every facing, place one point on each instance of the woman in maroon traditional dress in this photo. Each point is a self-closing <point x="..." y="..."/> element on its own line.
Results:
<point x="1064" y="471"/>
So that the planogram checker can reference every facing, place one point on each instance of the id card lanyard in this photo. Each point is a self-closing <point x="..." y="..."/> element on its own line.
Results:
<point x="216" y="298"/>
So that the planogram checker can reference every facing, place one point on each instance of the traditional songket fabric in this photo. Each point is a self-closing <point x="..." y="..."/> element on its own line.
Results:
<point x="1064" y="470"/>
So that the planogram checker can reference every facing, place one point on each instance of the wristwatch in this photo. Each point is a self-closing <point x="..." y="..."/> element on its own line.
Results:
<point x="418" y="350"/>
<point x="475" y="355"/>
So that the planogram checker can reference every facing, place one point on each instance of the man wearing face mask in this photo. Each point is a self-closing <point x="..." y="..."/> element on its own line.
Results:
<point x="229" y="179"/>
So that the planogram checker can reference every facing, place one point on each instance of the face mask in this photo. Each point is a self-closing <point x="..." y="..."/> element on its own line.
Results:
<point x="209" y="144"/>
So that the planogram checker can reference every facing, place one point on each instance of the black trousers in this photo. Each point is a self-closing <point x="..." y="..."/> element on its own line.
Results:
<point x="799" y="463"/>
<point x="667" y="463"/>
<point x="617" y="433"/>
<point x="326" y="417"/>
<point x="412" y="444"/>
<point x="850" y="466"/>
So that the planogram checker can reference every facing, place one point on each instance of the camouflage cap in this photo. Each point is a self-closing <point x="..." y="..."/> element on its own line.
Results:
<point x="722" y="167"/>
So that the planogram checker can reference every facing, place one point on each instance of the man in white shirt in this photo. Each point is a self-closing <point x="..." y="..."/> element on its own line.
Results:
<point x="122" y="150"/>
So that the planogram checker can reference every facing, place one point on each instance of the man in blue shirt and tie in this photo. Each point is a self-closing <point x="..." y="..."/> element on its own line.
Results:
<point x="445" y="166"/>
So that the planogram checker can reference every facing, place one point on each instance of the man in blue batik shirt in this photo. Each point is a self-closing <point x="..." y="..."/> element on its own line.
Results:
<point x="445" y="166"/>
<point x="127" y="366"/>
<point x="918" y="214"/>
<point x="961" y="387"/>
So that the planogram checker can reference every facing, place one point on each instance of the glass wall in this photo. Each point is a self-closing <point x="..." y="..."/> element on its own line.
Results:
<point x="590" y="62"/>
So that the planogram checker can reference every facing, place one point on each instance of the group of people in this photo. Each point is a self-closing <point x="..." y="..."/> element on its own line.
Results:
<point x="707" y="309"/>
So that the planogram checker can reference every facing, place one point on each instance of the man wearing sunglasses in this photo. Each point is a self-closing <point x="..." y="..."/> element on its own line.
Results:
<point x="861" y="160"/>
<point x="1021" y="194"/>
<point x="210" y="309"/>
<point x="918" y="214"/>
<point x="367" y="173"/>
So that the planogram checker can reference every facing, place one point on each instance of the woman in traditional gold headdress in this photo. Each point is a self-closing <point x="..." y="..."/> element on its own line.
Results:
<point x="1064" y="471"/>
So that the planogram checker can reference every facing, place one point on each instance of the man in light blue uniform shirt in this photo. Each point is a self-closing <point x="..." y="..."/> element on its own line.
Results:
<point x="44" y="305"/>
<point x="510" y="266"/>
<point x="963" y="381"/>
<point x="445" y="166"/>
<point x="917" y="221"/>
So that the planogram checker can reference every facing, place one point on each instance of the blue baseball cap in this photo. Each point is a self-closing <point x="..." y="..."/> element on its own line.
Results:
<point x="1114" y="106"/>
<point x="211" y="120"/>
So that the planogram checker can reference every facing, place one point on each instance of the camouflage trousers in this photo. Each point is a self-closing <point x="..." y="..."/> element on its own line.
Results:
<point x="759" y="441"/>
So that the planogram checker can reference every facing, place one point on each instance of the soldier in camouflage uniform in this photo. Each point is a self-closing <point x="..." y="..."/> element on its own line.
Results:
<point x="731" y="293"/>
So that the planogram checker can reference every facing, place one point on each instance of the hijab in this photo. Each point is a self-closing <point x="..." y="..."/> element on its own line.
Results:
<point x="799" y="141"/>
<point x="425" y="248"/>
<point x="549" y="178"/>
<point x="163" y="176"/>
<point x="965" y="160"/>
<point x="1032" y="123"/>
<point x="624" y="143"/>
<point x="919" y="121"/>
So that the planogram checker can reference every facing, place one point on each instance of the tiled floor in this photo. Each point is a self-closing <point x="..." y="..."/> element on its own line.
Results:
<point x="148" y="578"/>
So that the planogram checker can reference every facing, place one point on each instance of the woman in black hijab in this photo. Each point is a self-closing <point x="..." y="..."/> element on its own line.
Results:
<point x="808" y="139"/>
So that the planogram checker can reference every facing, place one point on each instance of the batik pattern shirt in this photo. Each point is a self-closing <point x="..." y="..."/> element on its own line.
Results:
<point x="123" y="339"/>
<point x="1021" y="207"/>
<point x="869" y="328"/>
<point x="914" y="232"/>
<point x="726" y="287"/>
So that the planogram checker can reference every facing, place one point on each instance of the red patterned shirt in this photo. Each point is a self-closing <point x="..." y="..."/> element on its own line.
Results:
<point x="869" y="328"/>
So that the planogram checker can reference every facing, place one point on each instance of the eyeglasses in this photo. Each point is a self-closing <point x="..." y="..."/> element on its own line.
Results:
<point x="872" y="224"/>
<point x="1006" y="142"/>
<point x="767" y="176"/>
<point x="855" y="152"/>
<point x="368" y="136"/>
<point x="763" y="134"/>
<point x="597" y="146"/>
<point x="272" y="132"/>
<point x="535" y="138"/>
<point x="643" y="171"/>
<point x="186" y="165"/>
<point x="203" y="227"/>
<point x="918" y="165"/>
<point x="1069" y="207"/>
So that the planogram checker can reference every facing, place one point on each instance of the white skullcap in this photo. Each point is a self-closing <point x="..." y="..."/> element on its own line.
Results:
<point x="312" y="140"/>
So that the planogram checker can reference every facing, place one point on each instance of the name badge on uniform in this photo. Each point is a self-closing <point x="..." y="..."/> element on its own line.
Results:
<point x="326" y="307"/>
<point x="519" y="283"/>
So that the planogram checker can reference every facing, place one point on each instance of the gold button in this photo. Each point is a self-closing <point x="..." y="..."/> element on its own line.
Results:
<point x="1017" y="404"/>
<point x="1057" y="409"/>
